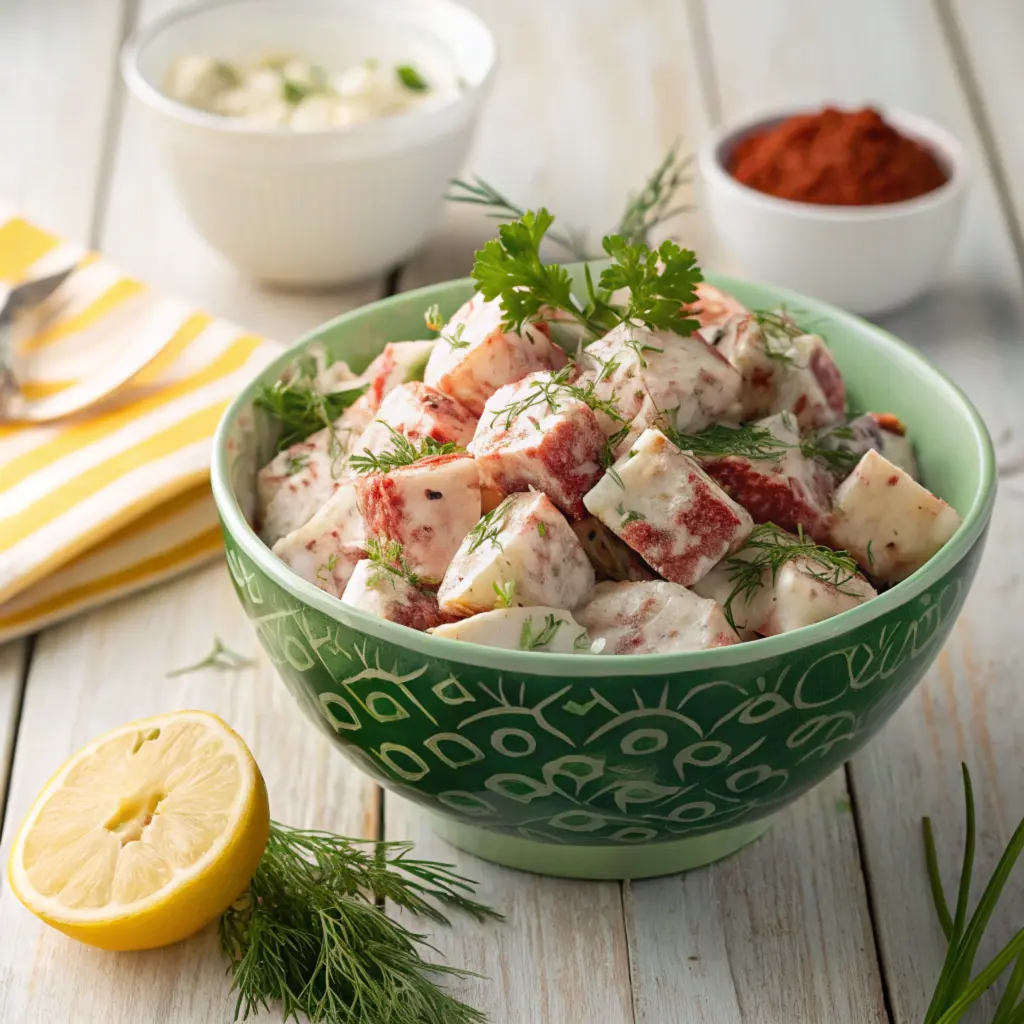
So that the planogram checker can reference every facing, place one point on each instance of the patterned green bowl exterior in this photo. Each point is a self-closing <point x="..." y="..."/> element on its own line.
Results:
<point x="573" y="753"/>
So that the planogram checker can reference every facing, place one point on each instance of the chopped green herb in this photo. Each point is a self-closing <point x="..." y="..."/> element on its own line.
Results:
<point x="301" y="408"/>
<point x="871" y="557"/>
<point x="769" y="548"/>
<point x="454" y="338"/>
<point x="389" y="562"/>
<point x="506" y="593"/>
<point x="295" y="92"/>
<point x="220" y="658"/>
<point x="542" y="529"/>
<point x="332" y="561"/>
<point x="827" y="446"/>
<point x="488" y="529"/>
<point x="432" y="316"/>
<point x="640" y="348"/>
<point x="297" y="462"/>
<point x="404" y="453"/>
<point x="719" y="441"/>
<point x="226" y="72"/>
<point x="582" y="642"/>
<point x="530" y="641"/>
<point x="629" y="515"/>
<point x="411" y="78"/>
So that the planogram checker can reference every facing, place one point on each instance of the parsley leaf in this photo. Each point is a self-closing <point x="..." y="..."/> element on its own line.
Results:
<point x="411" y="78"/>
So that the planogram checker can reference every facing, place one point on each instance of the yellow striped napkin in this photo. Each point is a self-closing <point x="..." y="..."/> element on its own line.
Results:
<point x="115" y="497"/>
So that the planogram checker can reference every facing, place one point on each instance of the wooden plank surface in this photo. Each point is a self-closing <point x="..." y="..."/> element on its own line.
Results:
<point x="588" y="99"/>
<point x="780" y="932"/>
<point x="971" y="326"/>
<point x="821" y="945"/>
<point x="559" y="958"/>
<point x="110" y="667"/>
<point x="54" y="132"/>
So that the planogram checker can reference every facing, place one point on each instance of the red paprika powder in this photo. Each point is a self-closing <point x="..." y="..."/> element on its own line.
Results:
<point x="836" y="157"/>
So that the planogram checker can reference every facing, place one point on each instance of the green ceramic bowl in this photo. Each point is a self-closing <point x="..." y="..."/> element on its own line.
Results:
<point x="627" y="766"/>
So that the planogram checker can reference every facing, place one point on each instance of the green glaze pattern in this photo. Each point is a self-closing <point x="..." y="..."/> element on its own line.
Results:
<point x="589" y="752"/>
<point x="631" y="760"/>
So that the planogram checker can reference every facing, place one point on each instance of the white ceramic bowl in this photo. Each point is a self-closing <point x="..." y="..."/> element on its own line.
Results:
<point x="868" y="259"/>
<point x="315" y="208"/>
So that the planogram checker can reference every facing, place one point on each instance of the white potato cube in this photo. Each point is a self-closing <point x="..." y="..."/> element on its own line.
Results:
<point x="298" y="481"/>
<point x="475" y="355"/>
<point x="889" y="522"/>
<point x="552" y="445"/>
<point x="552" y="630"/>
<point x="653" y="618"/>
<point x="523" y="553"/>
<point x="325" y="550"/>
<point x="668" y="510"/>
<point x="803" y="591"/>
<point x="388" y="595"/>
<point x="790" y="491"/>
<point x="647" y="374"/>
<point x="417" y="410"/>
<point x="427" y="507"/>
<point x="399" y="363"/>
<point x="783" y="372"/>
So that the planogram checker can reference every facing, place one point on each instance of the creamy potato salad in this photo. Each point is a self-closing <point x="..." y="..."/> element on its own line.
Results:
<point x="289" y="91"/>
<point x="681" y="475"/>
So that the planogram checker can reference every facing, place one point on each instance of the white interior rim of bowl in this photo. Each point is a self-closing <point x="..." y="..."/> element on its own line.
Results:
<point x="945" y="145"/>
<point x="159" y="100"/>
<point x="577" y="665"/>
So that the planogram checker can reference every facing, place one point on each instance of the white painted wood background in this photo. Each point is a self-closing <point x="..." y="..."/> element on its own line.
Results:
<point x="826" y="919"/>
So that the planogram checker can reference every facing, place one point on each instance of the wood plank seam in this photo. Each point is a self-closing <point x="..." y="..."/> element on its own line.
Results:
<point x="112" y="127"/>
<point x="11" y="743"/>
<point x="969" y="85"/>
<point x="869" y="890"/>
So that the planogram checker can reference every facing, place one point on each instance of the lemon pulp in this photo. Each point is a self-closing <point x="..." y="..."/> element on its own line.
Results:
<point x="146" y="835"/>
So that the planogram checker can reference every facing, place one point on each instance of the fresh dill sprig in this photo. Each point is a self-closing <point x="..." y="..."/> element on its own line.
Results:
<point x="768" y="549"/>
<point x="548" y="391"/>
<point x="403" y="453"/>
<point x="644" y="211"/>
<point x="301" y="408"/>
<point x="652" y="205"/>
<point x="308" y="933"/>
<point x="478" y="192"/>
<point x="489" y="527"/>
<point x="531" y="641"/>
<point x="582" y="642"/>
<point x="297" y="462"/>
<point x="221" y="658"/>
<point x="389" y="561"/>
<point x="958" y="987"/>
<point x="827" y="446"/>
<point x="719" y="441"/>
<point x="505" y="591"/>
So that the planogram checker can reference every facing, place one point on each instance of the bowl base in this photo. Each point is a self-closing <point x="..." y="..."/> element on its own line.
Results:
<point x="598" y="862"/>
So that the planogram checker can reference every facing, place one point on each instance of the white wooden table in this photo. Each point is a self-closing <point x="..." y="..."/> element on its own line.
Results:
<point x="826" y="919"/>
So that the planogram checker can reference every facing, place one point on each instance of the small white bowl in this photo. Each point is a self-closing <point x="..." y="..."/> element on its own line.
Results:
<point x="324" y="207"/>
<point x="868" y="259"/>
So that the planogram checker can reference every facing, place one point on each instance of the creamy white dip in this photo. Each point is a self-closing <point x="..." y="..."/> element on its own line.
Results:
<point x="289" y="91"/>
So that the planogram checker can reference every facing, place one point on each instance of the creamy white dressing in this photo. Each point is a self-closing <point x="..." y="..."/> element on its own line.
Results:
<point x="292" y="92"/>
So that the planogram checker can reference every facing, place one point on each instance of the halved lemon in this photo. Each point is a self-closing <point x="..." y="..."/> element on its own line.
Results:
<point x="146" y="835"/>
